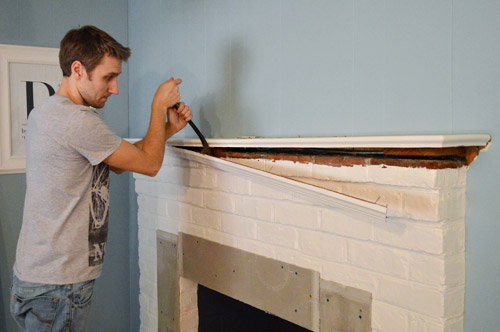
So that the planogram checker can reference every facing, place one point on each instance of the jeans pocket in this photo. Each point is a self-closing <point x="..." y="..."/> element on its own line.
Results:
<point x="34" y="314"/>
<point x="84" y="293"/>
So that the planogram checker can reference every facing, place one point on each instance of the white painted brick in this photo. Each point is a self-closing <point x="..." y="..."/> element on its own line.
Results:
<point x="256" y="208"/>
<point x="239" y="226"/>
<point x="346" y="224"/>
<point x="422" y="204"/>
<point x="146" y="220"/>
<point x="148" y="303"/>
<point x="350" y="276"/>
<point x="192" y="229"/>
<point x="423" y="238"/>
<point x="379" y="174"/>
<point x="146" y="251"/>
<point x="205" y="178"/>
<point x="168" y="225"/>
<point x="234" y="184"/>
<point x="218" y="201"/>
<point x="417" y="177"/>
<point x="222" y="238"/>
<point x="169" y="191"/>
<point x="452" y="178"/>
<point x="402" y="176"/>
<point x="386" y="260"/>
<point x="171" y="158"/>
<point x="206" y="218"/>
<point x="388" y="318"/>
<point x="288" y="168"/>
<point x="148" y="290"/>
<point x="454" y="325"/>
<point x="454" y="237"/>
<point x="412" y="296"/>
<point x="182" y="193"/>
<point x="149" y="188"/>
<point x="454" y="301"/>
<point x="422" y="323"/>
<point x="356" y="173"/>
<point x="265" y="191"/>
<point x="411" y="203"/>
<point x="280" y="235"/>
<point x="171" y="172"/>
<point x="147" y="271"/>
<point x="410" y="234"/>
<point x="257" y="247"/>
<point x="153" y="205"/>
<point x="147" y="237"/>
<point x="297" y="215"/>
<point x="179" y="211"/>
<point x="149" y="322"/>
<point x="187" y="195"/>
<point x="174" y="174"/>
<point x="452" y="205"/>
<point x="322" y="245"/>
<point x="437" y="270"/>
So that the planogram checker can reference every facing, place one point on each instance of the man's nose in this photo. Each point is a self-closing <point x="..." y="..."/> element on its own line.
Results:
<point x="113" y="87"/>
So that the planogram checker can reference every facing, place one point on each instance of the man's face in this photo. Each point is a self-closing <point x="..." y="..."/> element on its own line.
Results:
<point x="96" y="87"/>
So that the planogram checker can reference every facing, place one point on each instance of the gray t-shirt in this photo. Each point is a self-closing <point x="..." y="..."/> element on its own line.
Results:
<point x="65" y="221"/>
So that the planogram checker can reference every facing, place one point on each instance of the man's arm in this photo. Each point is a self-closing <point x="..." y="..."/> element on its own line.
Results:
<point x="140" y="145"/>
<point x="146" y="156"/>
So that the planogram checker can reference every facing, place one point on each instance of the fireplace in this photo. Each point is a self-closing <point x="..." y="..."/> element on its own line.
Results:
<point x="374" y="227"/>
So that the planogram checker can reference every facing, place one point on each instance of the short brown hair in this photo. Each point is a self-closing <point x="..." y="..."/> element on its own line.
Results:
<point x="88" y="45"/>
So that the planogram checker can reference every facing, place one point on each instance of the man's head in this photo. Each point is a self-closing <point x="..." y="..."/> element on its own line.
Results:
<point x="92" y="59"/>
<point x="89" y="45"/>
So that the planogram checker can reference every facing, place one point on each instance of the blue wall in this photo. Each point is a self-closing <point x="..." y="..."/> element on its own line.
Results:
<point x="276" y="68"/>
<point x="290" y="68"/>
<point x="44" y="23"/>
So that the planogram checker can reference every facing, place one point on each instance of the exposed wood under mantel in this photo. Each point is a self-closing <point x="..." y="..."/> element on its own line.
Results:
<point x="432" y="151"/>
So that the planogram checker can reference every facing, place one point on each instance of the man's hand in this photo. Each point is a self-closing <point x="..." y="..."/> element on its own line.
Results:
<point x="167" y="94"/>
<point x="177" y="118"/>
<point x="146" y="156"/>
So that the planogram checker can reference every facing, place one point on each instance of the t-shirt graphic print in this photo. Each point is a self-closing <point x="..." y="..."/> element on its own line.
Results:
<point x="98" y="214"/>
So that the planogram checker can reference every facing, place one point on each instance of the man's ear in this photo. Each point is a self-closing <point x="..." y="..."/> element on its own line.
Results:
<point x="77" y="69"/>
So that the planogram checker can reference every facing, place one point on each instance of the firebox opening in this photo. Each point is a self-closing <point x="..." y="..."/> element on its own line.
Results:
<point x="220" y="313"/>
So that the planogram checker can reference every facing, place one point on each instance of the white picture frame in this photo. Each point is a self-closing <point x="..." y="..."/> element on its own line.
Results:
<point x="28" y="76"/>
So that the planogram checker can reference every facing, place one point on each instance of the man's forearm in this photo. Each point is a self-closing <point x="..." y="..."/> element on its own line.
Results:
<point x="140" y="144"/>
<point x="168" y="133"/>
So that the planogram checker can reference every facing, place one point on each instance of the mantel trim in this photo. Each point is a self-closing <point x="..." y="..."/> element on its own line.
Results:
<point x="420" y="141"/>
<point x="313" y="193"/>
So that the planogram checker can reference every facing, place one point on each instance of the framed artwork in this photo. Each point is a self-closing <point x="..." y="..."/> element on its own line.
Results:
<point x="28" y="76"/>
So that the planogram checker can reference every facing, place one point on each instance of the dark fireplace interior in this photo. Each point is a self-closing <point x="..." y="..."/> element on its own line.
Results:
<point x="220" y="313"/>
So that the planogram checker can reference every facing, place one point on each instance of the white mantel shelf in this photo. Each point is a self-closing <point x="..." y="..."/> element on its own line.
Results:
<point x="421" y="141"/>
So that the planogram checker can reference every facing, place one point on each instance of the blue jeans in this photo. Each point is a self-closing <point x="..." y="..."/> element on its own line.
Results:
<point x="42" y="307"/>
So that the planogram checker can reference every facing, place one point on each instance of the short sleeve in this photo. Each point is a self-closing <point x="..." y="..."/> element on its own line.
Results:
<point x="89" y="135"/>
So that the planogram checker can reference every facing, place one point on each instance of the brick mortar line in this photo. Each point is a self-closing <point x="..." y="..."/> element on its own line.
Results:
<point x="382" y="244"/>
<point x="347" y="263"/>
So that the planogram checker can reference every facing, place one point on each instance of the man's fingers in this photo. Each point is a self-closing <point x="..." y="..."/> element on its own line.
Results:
<point x="177" y="81"/>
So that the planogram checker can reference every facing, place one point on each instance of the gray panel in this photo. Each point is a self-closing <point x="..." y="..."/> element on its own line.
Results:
<point x="168" y="282"/>
<point x="284" y="290"/>
<point x="344" y="309"/>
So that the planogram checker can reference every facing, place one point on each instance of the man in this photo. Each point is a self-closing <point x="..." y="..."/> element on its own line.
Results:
<point x="69" y="151"/>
